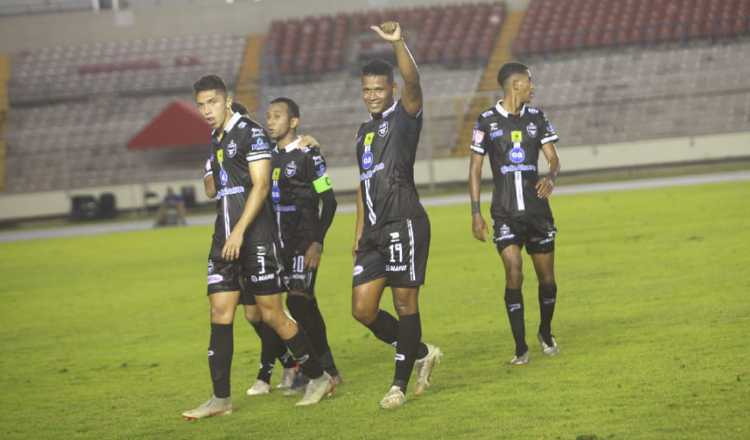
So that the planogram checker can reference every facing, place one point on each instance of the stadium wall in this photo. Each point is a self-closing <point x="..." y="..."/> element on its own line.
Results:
<point x="242" y="17"/>
<point x="573" y="159"/>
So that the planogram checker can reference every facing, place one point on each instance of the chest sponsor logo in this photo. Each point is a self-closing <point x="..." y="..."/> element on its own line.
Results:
<point x="367" y="160"/>
<point x="232" y="149"/>
<point x="291" y="169"/>
<point x="531" y="129"/>
<point x="496" y="134"/>
<point x="223" y="177"/>
<point x="383" y="129"/>
<point x="516" y="136"/>
<point x="517" y="154"/>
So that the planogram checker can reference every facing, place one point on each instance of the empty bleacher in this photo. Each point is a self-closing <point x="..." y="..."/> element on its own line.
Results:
<point x="23" y="7"/>
<point x="130" y="67"/>
<point x="552" y="25"/>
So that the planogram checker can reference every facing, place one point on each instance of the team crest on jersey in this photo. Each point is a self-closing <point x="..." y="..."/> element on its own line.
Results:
<point x="367" y="160"/>
<point x="232" y="149"/>
<point x="291" y="169"/>
<point x="531" y="129"/>
<point x="223" y="177"/>
<point x="383" y="129"/>
<point x="517" y="154"/>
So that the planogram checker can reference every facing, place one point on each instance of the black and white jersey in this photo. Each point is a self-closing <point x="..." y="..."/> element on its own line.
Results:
<point x="244" y="142"/>
<point x="513" y="143"/>
<point x="386" y="150"/>
<point x="298" y="178"/>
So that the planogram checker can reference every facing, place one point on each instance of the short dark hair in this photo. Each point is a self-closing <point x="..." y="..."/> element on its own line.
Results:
<point x="378" y="68"/>
<point x="510" y="69"/>
<point x="291" y="107"/>
<point x="210" y="82"/>
<point x="239" y="108"/>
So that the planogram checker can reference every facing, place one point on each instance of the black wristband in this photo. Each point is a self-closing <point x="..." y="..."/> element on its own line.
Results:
<point x="476" y="207"/>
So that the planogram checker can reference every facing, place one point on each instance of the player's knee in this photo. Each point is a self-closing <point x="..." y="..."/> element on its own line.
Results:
<point x="363" y="313"/>
<point x="405" y="306"/>
<point x="514" y="278"/>
<point x="547" y="279"/>
<point x="221" y="315"/>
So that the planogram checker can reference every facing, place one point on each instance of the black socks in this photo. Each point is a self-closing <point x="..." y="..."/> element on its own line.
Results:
<point x="302" y="351"/>
<point x="547" y="300"/>
<point x="514" y="307"/>
<point x="220" y="350"/>
<point x="409" y="336"/>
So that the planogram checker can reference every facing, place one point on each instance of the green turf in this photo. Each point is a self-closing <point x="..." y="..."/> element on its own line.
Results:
<point x="106" y="336"/>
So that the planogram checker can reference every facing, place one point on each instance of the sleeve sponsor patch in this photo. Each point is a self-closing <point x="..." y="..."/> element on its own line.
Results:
<point x="478" y="136"/>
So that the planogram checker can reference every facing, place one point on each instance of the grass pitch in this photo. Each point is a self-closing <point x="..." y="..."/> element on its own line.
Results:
<point x="106" y="336"/>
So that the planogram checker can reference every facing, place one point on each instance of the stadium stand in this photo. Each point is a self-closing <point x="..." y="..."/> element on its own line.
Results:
<point x="553" y="26"/>
<point x="4" y="107"/>
<point x="23" y="7"/>
<point x="138" y="66"/>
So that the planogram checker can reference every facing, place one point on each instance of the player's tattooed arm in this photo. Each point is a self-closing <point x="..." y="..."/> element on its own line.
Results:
<point x="411" y="96"/>
<point x="546" y="185"/>
<point x="478" y="225"/>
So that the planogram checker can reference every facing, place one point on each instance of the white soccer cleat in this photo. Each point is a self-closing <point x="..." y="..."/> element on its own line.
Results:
<point x="548" y="350"/>
<point x="393" y="398"/>
<point x="287" y="378"/>
<point x="317" y="389"/>
<point x="520" y="360"/>
<point x="213" y="407"/>
<point x="423" y="368"/>
<point x="259" y="388"/>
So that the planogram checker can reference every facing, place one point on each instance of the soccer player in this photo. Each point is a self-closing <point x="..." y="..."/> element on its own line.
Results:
<point x="243" y="247"/>
<point x="392" y="235"/>
<point x="305" y="205"/>
<point x="512" y="133"/>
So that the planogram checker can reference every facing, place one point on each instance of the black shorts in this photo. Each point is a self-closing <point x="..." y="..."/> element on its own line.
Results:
<point x="296" y="277"/>
<point x="537" y="233"/>
<point x="397" y="251"/>
<point x="256" y="272"/>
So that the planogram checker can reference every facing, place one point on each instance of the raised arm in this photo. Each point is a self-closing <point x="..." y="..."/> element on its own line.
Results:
<point x="411" y="96"/>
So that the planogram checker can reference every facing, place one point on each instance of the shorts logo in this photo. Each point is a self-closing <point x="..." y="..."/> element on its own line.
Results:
<point x="383" y="129"/>
<point x="210" y="266"/>
<point x="291" y="169"/>
<point x="215" y="278"/>
<point x="517" y="154"/>
<point x="505" y="233"/>
<point x="367" y="160"/>
<point x="496" y="134"/>
<point x="358" y="270"/>
<point x="223" y="177"/>
<point x="531" y="129"/>
<point x="260" y="278"/>
<point x="232" y="149"/>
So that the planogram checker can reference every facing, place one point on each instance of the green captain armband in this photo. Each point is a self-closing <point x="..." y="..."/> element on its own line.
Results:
<point x="322" y="184"/>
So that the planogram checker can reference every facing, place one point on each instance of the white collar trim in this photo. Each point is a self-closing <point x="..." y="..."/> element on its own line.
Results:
<point x="293" y="145"/>
<point x="500" y="109"/>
